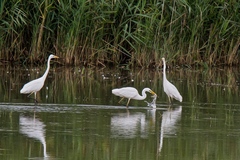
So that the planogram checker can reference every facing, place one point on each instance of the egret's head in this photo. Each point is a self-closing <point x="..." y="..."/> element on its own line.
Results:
<point x="53" y="56"/>
<point x="150" y="91"/>
<point x="163" y="59"/>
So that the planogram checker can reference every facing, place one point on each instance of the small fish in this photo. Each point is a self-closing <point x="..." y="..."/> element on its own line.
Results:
<point x="153" y="103"/>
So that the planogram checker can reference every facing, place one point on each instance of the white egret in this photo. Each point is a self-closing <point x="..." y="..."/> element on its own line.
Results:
<point x="168" y="87"/>
<point x="131" y="93"/>
<point x="35" y="85"/>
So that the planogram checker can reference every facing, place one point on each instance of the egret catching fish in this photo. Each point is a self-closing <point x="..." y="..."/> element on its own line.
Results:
<point x="131" y="93"/>
<point x="153" y="103"/>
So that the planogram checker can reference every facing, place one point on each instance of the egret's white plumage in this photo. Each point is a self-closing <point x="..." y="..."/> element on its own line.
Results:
<point x="131" y="93"/>
<point x="168" y="87"/>
<point x="35" y="85"/>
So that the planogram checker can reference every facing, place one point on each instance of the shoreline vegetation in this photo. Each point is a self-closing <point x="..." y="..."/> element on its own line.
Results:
<point x="136" y="33"/>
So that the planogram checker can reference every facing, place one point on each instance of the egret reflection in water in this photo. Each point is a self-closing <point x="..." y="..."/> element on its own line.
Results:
<point x="168" y="125"/>
<point x="127" y="125"/>
<point x="33" y="128"/>
<point x="130" y="125"/>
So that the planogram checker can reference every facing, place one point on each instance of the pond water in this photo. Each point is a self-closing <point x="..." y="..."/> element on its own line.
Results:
<point x="77" y="116"/>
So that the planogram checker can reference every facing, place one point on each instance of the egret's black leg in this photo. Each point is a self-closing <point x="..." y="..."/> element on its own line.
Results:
<point x="128" y="102"/>
<point x="169" y="100"/>
<point x="36" y="102"/>
<point x="35" y="94"/>
<point x="35" y="99"/>
<point x="121" y="100"/>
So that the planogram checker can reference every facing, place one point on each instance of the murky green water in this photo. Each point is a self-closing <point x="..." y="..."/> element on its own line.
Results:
<point x="79" y="118"/>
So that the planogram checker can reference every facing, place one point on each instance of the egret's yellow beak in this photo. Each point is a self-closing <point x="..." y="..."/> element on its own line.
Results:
<point x="152" y="92"/>
<point x="56" y="57"/>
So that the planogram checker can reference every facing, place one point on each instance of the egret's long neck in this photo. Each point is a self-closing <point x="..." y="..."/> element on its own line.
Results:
<point x="143" y="94"/>
<point x="164" y="70"/>
<point x="47" y="70"/>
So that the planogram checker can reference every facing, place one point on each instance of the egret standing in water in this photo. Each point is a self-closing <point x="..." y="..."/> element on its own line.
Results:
<point x="131" y="93"/>
<point x="35" y="85"/>
<point x="168" y="87"/>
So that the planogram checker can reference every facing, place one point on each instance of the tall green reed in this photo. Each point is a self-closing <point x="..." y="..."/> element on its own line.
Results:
<point x="109" y="32"/>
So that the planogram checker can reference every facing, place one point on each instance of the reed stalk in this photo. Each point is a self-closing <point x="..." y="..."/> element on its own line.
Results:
<point x="128" y="32"/>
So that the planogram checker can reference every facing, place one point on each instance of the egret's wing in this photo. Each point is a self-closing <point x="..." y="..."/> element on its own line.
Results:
<point x="32" y="86"/>
<point x="127" y="92"/>
<point x="172" y="91"/>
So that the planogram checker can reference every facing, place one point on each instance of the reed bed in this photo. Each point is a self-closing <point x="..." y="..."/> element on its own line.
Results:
<point x="135" y="33"/>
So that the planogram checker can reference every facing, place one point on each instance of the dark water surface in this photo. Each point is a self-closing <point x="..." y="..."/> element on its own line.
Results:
<point x="78" y="117"/>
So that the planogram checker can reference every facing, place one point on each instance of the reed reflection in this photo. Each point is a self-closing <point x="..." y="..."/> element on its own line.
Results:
<point x="169" y="124"/>
<point x="32" y="127"/>
<point x="92" y="86"/>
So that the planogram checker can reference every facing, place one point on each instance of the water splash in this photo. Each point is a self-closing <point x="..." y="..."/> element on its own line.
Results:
<point x="153" y="103"/>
